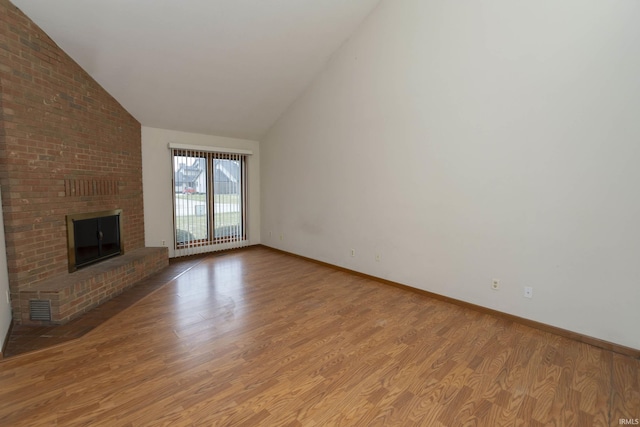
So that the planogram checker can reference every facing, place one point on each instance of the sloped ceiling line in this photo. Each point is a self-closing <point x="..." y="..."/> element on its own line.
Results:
<point x="219" y="67"/>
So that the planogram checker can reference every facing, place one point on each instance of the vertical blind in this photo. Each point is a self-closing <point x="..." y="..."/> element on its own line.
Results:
<point x="209" y="200"/>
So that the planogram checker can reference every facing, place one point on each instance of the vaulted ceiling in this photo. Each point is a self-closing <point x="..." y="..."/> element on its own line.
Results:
<point x="221" y="67"/>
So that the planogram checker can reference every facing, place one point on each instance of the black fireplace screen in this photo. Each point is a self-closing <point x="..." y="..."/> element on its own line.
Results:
<point x="94" y="237"/>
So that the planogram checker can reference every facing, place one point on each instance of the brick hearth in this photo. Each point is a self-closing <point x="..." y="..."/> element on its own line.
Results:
<point x="73" y="294"/>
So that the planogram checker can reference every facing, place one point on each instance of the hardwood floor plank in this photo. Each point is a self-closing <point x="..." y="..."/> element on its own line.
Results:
<point x="257" y="337"/>
<point x="626" y="388"/>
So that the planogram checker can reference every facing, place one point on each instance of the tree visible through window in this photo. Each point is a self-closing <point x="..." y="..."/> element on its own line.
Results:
<point x="209" y="198"/>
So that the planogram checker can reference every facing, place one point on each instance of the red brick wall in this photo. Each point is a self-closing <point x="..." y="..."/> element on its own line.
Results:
<point x="66" y="146"/>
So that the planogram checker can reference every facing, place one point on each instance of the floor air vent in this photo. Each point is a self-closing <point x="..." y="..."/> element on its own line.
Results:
<point x="40" y="309"/>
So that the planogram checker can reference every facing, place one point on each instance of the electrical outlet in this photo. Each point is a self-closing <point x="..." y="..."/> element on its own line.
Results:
<point x="281" y="236"/>
<point x="495" y="284"/>
<point x="528" y="292"/>
<point x="164" y="243"/>
<point x="8" y="298"/>
<point x="271" y="234"/>
<point x="353" y="252"/>
<point x="377" y="257"/>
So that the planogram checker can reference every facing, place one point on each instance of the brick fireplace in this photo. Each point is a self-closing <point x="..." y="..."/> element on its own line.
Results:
<point x="66" y="147"/>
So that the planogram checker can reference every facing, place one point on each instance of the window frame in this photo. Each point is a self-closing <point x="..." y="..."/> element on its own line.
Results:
<point x="209" y="157"/>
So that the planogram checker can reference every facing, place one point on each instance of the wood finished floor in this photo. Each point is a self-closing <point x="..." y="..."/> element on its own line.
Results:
<point x="257" y="337"/>
<point x="28" y="338"/>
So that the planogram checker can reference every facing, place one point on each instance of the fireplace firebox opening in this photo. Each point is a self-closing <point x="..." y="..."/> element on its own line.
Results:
<point x="93" y="237"/>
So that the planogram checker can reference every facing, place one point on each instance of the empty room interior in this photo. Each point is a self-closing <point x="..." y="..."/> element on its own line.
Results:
<point x="319" y="213"/>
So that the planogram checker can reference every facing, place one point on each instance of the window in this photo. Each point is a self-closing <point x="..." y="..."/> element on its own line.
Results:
<point x="209" y="199"/>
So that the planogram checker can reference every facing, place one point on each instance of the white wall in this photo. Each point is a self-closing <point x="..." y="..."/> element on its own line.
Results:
<point x="156" y="181"/>
<point x="466" y="141"/>
<point x="5" y="306"/>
